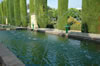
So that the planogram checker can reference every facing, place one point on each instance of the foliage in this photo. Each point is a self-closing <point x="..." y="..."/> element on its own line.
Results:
<point x="52" y="16"/>
<point x="32" y="9"/>
<point x="17" y="12"/>
<point x="4" y="8"/>
<point x="23" y="12"/>
<point x="52" y="12"/>
<point x="10" y="12"/>
<point x="1" y="13"/>
<point x="32" y="6"/>
<point x="41" y="12"/>
<point x="91" y="16"/>
<point x="62" y="9"/>
<point x="73" y="12"/>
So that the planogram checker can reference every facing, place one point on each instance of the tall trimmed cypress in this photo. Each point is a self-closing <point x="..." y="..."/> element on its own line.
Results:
<point x="62" y="14"/>
<point x="91" y="16"/>
<point x="23" y="12"/>
<point x="17" y="13"/>
<point x="32" y="6"/>
<point x="41" y="12"/>
<point x="1" y="13"/>
<point x="10" y="9"/>
<point x="4" y="11"/>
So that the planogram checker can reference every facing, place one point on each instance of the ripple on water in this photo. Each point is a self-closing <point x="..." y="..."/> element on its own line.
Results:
<point x="34" y="39"/>
<point x="29" y="38"/>
<point x="89" y="57"/>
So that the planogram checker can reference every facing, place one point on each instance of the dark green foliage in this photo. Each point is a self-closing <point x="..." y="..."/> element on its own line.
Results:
<point x="75" y="13"/>
<point x="91" y="16"/>
<point x="52" y="12"/>
<point x="52" y="17"/>
<point x="17" y="12"/>
<point x="41" y="13"/>
<point x="23" y="12"/>
<point x="62" y="13"/>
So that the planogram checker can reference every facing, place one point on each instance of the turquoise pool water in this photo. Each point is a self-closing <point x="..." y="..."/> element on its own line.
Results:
<point x="39" y="49"/>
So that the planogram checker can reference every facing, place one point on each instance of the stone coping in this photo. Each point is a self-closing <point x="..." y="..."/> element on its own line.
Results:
<point x="52" y="31"/>
<point x="85" y="36"/>
<point x="72" y="34"/>
<point x="7" y="58"/>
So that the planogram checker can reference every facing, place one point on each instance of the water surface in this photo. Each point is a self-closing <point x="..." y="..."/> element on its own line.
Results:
<point x="36" y="49"/>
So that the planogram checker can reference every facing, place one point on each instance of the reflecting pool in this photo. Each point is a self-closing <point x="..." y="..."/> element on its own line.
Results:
<point x="39" y="49"/>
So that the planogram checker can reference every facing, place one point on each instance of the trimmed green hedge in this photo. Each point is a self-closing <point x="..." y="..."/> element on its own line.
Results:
<point x="62" y="14"/>
<point x="10" y="12"/>
<point x="1" y="13"/>
<point x="41" y="12"/>
<point x="23" y="13"/>
<point x="32" y="6"/>
<point x="32" y="9"/>
<point x="91" y="16"/>
<point x="17" y="13"/>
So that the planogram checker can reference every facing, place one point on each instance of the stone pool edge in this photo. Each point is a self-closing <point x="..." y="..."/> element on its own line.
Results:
<point x="7" y="58"/>
<point x="71" y="34"/>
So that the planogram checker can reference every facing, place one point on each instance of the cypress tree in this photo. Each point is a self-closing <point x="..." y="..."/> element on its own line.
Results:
<point x="62" y="14"/>
<point x="41" y="13"/>
<point x="32" y="6"/>
<point x="91" y="16"/>
<point x="23" y="12"/>
<point x="0" y="13"/>
<point x="17" y="17"/>
<point x="10" y="10"/>
<point x="4" y="11"/>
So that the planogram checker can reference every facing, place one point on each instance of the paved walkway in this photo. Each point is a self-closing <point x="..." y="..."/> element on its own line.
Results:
<point x="7" y="58"/>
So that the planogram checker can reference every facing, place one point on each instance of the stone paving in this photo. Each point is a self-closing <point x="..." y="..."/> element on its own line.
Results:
<point x="7" y="58"/>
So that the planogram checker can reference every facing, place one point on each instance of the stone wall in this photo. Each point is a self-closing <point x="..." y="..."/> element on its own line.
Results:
<point x="7" y="58"/>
